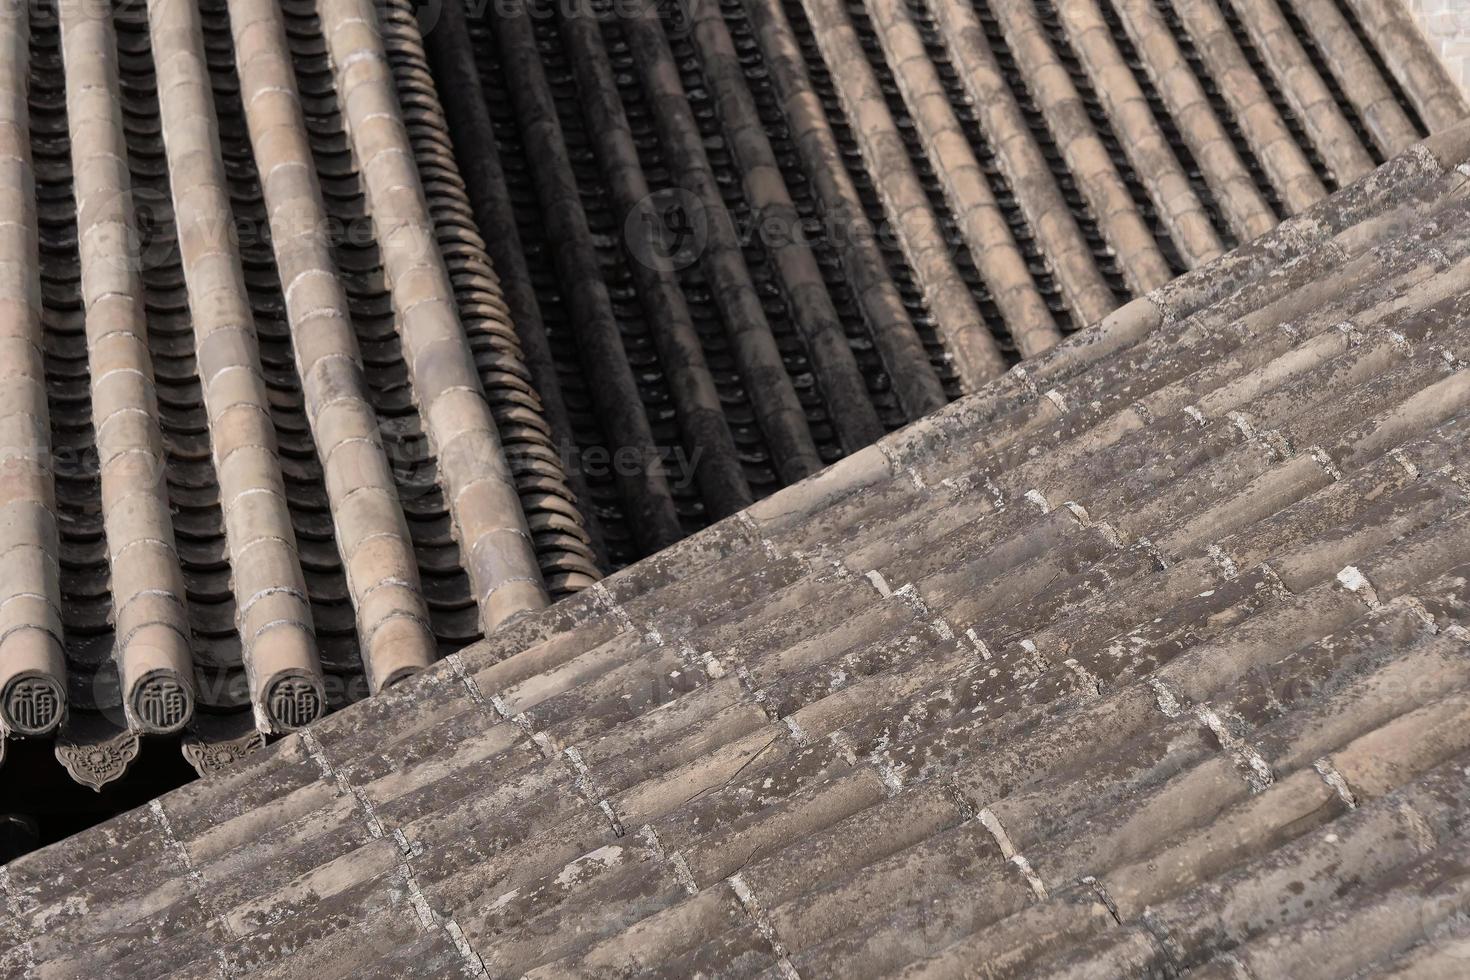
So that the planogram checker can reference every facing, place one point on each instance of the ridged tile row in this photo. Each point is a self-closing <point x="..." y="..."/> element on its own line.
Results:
<point x="32" y="669"/>
<point x="567" y="557"/>
<point x="822" y="219"/>
<point x="1146" y="659"/>
<point x="272" y="445"/>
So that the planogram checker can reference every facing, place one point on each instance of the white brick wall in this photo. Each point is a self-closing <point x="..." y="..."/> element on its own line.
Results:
<point x="1447" y="25"/>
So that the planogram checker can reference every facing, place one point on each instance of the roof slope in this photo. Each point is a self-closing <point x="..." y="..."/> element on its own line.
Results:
<point x="300" y="407"/>
<point x="1150" y="657"/>
<point x="820" y="220"/>
<point x="264" y="397"/>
